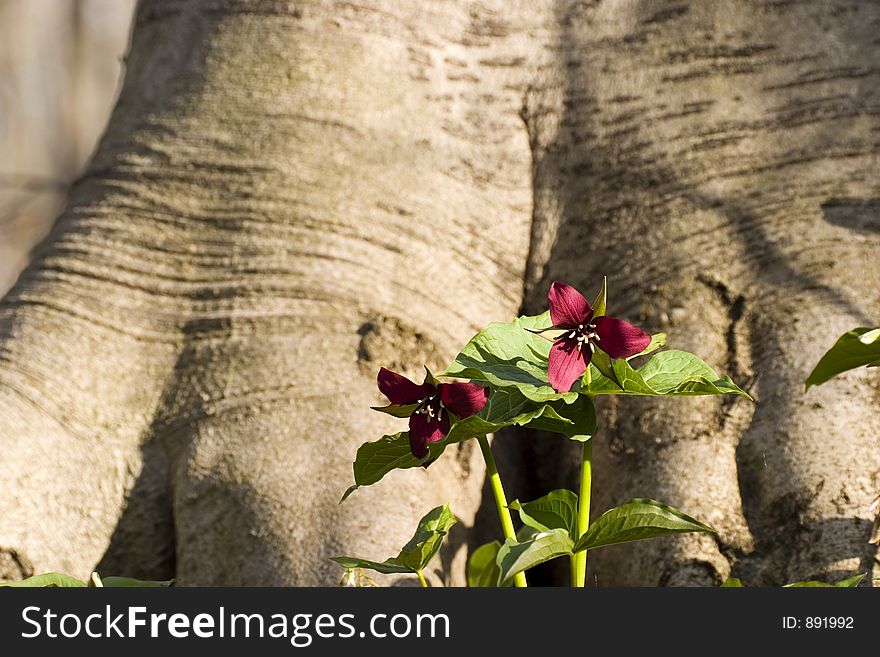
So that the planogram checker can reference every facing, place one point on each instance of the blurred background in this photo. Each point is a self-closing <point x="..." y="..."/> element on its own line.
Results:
<point x="60" y="69"/>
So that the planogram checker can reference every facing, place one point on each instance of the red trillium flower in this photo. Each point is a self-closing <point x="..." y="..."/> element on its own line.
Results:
<point x="435" y="406"/>
<point x="582" y="334"/>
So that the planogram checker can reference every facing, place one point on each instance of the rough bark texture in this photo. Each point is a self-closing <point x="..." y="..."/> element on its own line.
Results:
<point x="719" y="162"/>
<point x="291" y="194"/>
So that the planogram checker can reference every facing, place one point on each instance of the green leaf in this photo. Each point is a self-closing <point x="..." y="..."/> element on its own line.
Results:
<point x="128" y="582"/>
<point x="395" y="410"/>
<point x="505" y="408"/>
<point x="556" y="510"/>
<point x="418" y="552"/>
<point x="48" y="580"/>
<point x="388" y="567"/>
<point x="426" y="542"/>
<point x="853" y="349"/>
<point x="637" y="520"/>
<point x="849" y="583"/>
<point x="672" y="373"/>
<point x="732" y="583"/>
<point x="482" y="570"/>
<point x="579" y="416"/>
<point x="604" y="367"/>
<point x="514" y="557"/>
<point x="376" y="459"/>
<point x="510" y="356"/>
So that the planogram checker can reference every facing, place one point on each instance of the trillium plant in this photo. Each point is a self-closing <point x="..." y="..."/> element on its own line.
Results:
<point x="542" y="372"/>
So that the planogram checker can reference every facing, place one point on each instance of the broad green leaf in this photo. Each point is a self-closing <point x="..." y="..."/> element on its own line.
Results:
<point x="671" y="373"/>
<point x="849" y="583"/>
<point x="418" y="552"/>
<point x="425" y="544"/>
<point x="510" y="356"/>
<point x="732" y="583"/>
<point x="396" y="411"/>
<point x="514" y="557"/>
<point x="128" y="582"/>
<point x="504" y="408"/>
<point x="637" y="520"/>
<point x="579" y="416"/>
<point x="556" y="510"/>
<point x="482" y="570"/>
<point x="376" y="459"/>
<point x="853" y="349"/>
<point x="48" y="580"/>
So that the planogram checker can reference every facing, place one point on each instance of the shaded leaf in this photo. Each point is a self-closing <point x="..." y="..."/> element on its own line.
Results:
<point x="637" y="520"/>
<point x="853" y="349"/>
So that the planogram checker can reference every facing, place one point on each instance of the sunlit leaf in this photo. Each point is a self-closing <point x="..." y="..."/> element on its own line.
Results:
<point x="637" y="520"/>
<point x="419" y="550"/>
<point x="515" y="557"/>
<point x="857" y="348"/>
<point x="556" y="510"/>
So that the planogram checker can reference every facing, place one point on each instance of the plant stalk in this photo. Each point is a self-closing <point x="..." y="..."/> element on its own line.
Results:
<point x="422" y="579"/>
<point x="500" y="500"/>
<point x="579" y="563"/>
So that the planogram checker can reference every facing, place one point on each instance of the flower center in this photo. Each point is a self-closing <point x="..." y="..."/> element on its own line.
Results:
<point x="432" y="407"/>
<point x="585" y="334"/>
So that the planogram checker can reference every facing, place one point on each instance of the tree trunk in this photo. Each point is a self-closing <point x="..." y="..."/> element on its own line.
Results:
<point x="719" y="162"/>
<point x="288" y="197"/>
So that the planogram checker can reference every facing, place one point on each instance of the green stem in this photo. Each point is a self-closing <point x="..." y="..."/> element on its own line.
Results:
<point x="422" y="579"/>
<point x="500" y="500"/>
<point x="579" y="576"/>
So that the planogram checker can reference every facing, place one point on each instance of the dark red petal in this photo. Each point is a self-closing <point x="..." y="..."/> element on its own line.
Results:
<point x="568" y="306"/>
<point x="463" y="399"/>
<point x="566" y="364"/>
<point x="620" y="339"/>
<point x="423" y="431"/>
<point x="401" y="390"/>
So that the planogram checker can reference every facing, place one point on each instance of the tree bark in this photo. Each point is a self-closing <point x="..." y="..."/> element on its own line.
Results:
<point x="289" y="196"/>
<point x="718" y="161"/>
